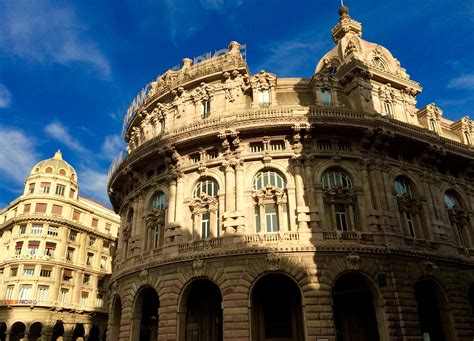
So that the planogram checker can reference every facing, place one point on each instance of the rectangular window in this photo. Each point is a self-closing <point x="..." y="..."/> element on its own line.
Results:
<point x="205" y="225"/>
<point x="410" y="224"/>
<point x="257" y="219"/>
<point x="105" y="245"/>
<point x="40" y="208"/>
<point x="99" y="302"/>
<point x="103" y="262"/>
<point x="326" y="97"/>
<point x="92" y="241"/>
<point x="22" y="229"/>
<point x="44" y="187"/>
<point x="13" y="272"/>
<point x="84" y="298"/>
<point x="70" y="254"/>
<point x="50" y="248"/>
<point x="45" y="272"/>
<point x="72" y="236"/>
<point x="256" y="147"/>
<point x="60" y="190"/>
<point x="95" y="222"/>
<point x="57" y="210"/>
<point x="63" y="295"/>
<point x="90" y="259"/>
<point x="108" y="226"/>
<point x="76" y="215"/>
<point x="28" y="271"/>
<point x="33" y="247"/>
<point x="277" y="145"/>
<point x="67" y="275"/>
<point x="341" y="217"/>
<point x="26" y="208"/>
<point x="25" y="292"/>
<point x="72" y="193"/>
<point x="205" y="109"/>
<point x="53" y="231"/>
<point x="36" y="229"/>
<point x="42" y="294"/>
<point x="212" y="154"/>
<point x="86" y="279"/>
<point x="387" y="106"/>
<point x="271" y="218"/>
<point x="18" y="247"/>
<point x="9" y="292"/>
<point x="264" y="98"/>
<point x="344" y="146"/>
<point x="32" y="188"/>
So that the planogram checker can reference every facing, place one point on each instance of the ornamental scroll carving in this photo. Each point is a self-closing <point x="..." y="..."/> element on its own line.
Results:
<point x="433" y="112"/>
<point x="203" y="204"/>
<point x="339" y="194"/>
<point x="269" y="193"/>
<point x="409" y="204"/>
<point x="203" y="92"/>
<point x="234" y="85"/>
<point x="263" y="81"/>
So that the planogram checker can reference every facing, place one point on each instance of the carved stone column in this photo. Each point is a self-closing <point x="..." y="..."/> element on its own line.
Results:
<point x="301" y="208"/>
<point x="229" y="188"/>
<point x="179" y="209"/>
<point x="239" y="186"/>
<point x="172" y="201"/>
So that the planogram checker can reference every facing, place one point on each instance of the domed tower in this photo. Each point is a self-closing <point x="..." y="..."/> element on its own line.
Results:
<point x="256" y="207"/>
<point x="56" y="249"/>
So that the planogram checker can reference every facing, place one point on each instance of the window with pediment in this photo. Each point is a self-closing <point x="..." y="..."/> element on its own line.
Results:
<point x="205" y="209"/>
<point x="409" y="207"/>
<point x="155" y="221"/>
<point x="458" y="217"/>
<point x="271" y="202"/>
<point x="339" y="200"/>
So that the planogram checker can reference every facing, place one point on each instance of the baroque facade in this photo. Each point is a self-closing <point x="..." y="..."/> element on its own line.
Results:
<point x="263" y="208"/>
<point x="55" y="257"/>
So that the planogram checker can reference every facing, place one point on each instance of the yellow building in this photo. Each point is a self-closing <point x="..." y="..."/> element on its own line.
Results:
<point x="256" y="207"/>
<point x="55" y="255"/>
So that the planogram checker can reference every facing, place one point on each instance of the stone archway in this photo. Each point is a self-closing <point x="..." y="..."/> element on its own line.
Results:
<point x="145" y="316"/>
<point x="201" y="312"/>
<point x="3" y="331"/>
<point x="115" y="319"/>
<point x="35" y="331"/>
<point x="79" y="332"/>
<point x="433" y="311"/>
<point x="94" y="334"/>
<point x="17" y="331"/>
<point x="58" y="331"/>
<point x="356" y="313"/>
<point x="276" y="309"/>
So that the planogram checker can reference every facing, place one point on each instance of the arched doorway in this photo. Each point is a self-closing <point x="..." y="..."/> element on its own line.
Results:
<point x="145" y="315"/>
<point x="202" y="312"/>
<point x="17" y="331"/>
<point x="35" y="331"/>
<point x="58" y="330"/>
<point x="79" y="332"/>
<point x="115" y="319"/>
<point x="3" y="331"/>
<point x="356" y="316"/>
<point x="94" y="334"/>
<point x="276" y="309"/>
<point x="433" y="311"/>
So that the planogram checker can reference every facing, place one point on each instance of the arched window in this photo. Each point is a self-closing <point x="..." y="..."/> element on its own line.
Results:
<point x="339" y="200"/>
<point x="205" y="209"/>
<point x="62" y="172"/>
<point x="155" y="221"/>
<point x="409" y="207"/>
<point x="159" y="201"/>
<point x="48" y="170"/>
<point x="458" y="218"/>
<point x="271" y="210"/>
<point x="378" y="62"/>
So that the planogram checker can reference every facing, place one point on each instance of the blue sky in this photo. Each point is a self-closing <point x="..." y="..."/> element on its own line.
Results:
<point x="68" y="70"/>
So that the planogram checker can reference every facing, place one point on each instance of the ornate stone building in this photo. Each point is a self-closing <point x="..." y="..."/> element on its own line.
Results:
<point x="55" y="259"/>
<point x="263" y="208"/>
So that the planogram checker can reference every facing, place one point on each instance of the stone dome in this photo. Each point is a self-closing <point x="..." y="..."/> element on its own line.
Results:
<point x="55" y="166"/>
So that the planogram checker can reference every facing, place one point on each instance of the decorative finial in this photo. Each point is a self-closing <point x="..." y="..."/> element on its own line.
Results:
<point x="344" y="10"/>
<point x="58" y="155"/>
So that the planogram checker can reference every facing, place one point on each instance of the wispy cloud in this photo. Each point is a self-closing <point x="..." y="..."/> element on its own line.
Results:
<point x="93" y="183"/>
<point x="221" y="5"/>
<point x="5" y="97"/>
<point x="291" y="57"/>
<point x="111" y="146"/>
<point x="462" y="82"/>
<point x="17" y="154"/>
<point x="43" y="31"/>
<point x="60" y="133"/>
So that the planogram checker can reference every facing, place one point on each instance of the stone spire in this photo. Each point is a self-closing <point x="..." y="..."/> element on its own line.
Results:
<point x="345" y="25"/>
<point x="58" y="155"/>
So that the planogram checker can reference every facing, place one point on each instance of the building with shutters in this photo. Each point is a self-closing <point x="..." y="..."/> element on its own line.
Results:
<point x="55" y="259"/>
<point x="256" y="207"/>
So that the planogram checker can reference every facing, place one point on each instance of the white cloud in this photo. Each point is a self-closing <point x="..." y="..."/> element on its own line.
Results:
<point x="289" y="57"/>
<point x="111" y="146"/>
<point x="93" y="183"/>
<point x="43" y="31"/>
<point x="17" y="154"/>
<point x="61" y="133"/>
<point x="220" y="5"/>
<point x="5" y="97"/>
<point x="462" y="82"/>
